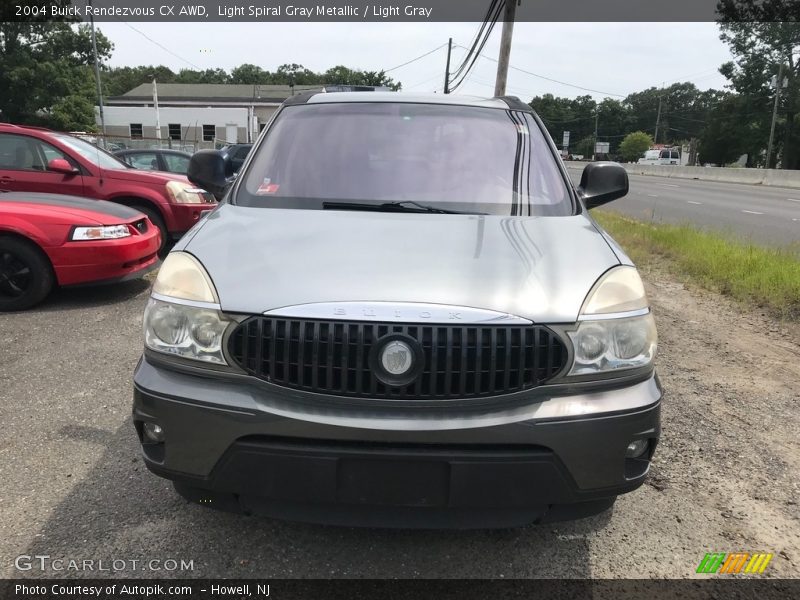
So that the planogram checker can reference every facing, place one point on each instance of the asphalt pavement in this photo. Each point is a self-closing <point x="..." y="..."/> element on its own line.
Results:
<point x="73" y="487"/>
<point x="760" y="214"/>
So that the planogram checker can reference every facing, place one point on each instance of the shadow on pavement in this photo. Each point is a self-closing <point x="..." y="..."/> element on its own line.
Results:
<point x="121" y="511"/>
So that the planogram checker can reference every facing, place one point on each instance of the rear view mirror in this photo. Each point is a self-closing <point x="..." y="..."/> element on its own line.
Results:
<point x="602" y="182"/>
<point x="211" y="170"/>
<point x="61" y="165"/>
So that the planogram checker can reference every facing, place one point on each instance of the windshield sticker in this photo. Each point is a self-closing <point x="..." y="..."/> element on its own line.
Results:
<point x="267" y="187"/>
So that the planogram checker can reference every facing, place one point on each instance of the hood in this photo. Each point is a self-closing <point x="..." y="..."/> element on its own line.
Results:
<point x="540" y="268"/>
<point x="74" y="208"/>
<point x="151" y="177"/>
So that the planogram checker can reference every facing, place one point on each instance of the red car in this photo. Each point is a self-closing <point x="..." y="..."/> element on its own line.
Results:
<point x="39" y="160"/>
<point x="51" y="239"/>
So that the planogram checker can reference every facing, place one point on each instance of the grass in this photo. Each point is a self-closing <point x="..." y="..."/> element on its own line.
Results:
<point x="757" y="276"/>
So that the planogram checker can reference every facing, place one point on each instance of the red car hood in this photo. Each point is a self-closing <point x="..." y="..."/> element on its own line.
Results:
<point x="75" y="210"/>
<point x="151" y="177"/>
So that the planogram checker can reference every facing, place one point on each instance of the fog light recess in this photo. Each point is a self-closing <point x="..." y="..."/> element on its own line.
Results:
<point x="637" y="448"/>
<point x="153" y="432"/>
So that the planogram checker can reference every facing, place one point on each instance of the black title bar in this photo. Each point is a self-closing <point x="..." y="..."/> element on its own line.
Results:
<point x="415" y="11"/>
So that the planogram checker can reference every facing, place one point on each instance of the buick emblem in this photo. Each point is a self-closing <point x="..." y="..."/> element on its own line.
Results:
<point x="397" y="357"/>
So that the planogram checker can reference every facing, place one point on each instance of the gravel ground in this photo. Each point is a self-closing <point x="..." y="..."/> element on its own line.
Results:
<point x="725" y="477"/>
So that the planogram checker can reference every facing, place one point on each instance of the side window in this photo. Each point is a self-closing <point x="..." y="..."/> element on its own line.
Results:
<point x="176" y="163"/>
<point x="146" y="161"/>
<point x="20" y="152"/>
<point x="664" y="154"/>
<point x="242" y="152"/>
<point x="51" y="152"/>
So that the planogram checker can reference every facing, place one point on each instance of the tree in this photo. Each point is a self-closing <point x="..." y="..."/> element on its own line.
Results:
<point x="634" y="145"/>
<point x="118" y="80"/>
<point x="43" y="66"/>
<point x="343" y="76"/>
<point x="250" y="74"/>
<point x="764" y="38"/>
<point x="734" y="129"/>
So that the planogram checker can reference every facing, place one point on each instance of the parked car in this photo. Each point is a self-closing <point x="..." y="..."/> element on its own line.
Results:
<point x="39" y="160"/>
<point x="402" y="314"/>
<point x="237" y="153"/>
<point x="53" y="239"/>
<point x="170" y="161"/>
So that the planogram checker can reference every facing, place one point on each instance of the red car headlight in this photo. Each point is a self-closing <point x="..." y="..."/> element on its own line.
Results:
<point x="101" y="232"/>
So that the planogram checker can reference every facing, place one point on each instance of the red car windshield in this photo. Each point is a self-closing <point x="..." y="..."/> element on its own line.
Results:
<point x="452" y="158"/>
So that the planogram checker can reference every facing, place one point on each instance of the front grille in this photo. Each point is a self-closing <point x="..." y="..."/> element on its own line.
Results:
<point x="332" y="357"/>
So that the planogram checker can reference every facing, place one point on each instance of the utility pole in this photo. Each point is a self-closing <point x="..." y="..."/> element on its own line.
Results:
<point x="158" y="117"/>
<point x="447" y="67"/>
<point x="596" y="118"/>
<point x="778" y="86"/>
<point x="658" y="120"/>
<point x="505" y="48"/>
<point x="97" y="78"/>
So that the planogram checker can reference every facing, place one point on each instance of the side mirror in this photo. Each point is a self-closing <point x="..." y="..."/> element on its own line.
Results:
<point x="211" y="170"/>
<point x="602" y="182"/>
<point x="61" y="165"/>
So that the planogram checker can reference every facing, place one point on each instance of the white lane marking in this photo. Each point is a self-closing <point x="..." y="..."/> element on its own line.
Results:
<point x="793" y="200"/>
<point x="693" y="202"/>
<point x="752" y="212"/>
<point x="669" y="184"/>
<point x="653" y="195"/>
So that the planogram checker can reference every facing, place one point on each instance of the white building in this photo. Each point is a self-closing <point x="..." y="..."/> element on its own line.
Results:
<point x="194" y="115"/>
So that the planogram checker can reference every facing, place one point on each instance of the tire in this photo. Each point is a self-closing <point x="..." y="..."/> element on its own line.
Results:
<point x="26" y="275"/>
<point x="158" y="221"/>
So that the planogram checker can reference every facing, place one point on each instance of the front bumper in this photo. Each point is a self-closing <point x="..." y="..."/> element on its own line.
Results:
<point x="185" y="216"/>
<point x="241" y="443"/>
<point x="101" y="261"/>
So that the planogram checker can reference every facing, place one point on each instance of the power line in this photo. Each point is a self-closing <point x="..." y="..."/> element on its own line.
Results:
<point x="415" y="59"/>
<point x="580" y="87"/>
<point x="471" y="49"/>
<point x="164" y="48"/>
<point x="488" y="25"/>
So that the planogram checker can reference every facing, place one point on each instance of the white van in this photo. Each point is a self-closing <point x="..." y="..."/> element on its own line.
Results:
<point x="665" y="156"/>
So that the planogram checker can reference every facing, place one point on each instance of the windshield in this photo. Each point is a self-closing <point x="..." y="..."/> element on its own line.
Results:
<point x="91" y="152"/>
<point x="454" y="158"/>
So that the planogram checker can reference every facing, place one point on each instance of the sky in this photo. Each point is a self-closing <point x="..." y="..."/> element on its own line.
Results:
<point x="613" y="59"/>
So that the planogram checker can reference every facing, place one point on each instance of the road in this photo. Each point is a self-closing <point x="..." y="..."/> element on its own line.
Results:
<point x="761" y="214"/>
<point x="74" y="488"/>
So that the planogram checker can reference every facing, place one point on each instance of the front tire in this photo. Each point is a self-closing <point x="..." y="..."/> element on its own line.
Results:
<point x="26" y="276"/>
<point x="158" y="221"/>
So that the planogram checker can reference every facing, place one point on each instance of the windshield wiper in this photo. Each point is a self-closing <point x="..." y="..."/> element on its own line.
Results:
<point x="401" y="206"/>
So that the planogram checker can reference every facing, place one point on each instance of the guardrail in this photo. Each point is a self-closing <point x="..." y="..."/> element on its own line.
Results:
<point x="771" y="177"/>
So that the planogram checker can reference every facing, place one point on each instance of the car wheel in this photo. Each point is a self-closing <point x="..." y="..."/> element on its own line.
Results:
<point x="155" y="219"/>
<point x="26" y="276"/>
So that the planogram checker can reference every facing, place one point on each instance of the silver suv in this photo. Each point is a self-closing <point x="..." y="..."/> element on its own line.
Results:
<point x="400" y="314"/>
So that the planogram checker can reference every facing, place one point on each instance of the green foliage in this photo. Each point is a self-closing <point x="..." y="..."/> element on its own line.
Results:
<point x="764" y="38"/>
<point x="754" y="275"/>
<point x="43" y="73"/>
<point x="635" y="145"/>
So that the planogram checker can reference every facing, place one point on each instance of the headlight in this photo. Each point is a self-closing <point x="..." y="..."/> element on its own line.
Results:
<point x="622" y="334"/>
<point x="613" y="344"/>
<point x="183" y="317"/>
<point x="185" y="193"/>
<point x="186" y="331"/>
<point x="110" y="232"/>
